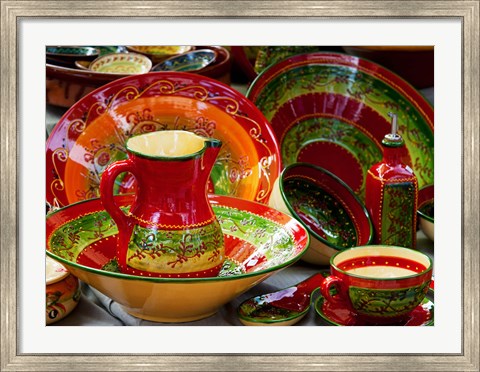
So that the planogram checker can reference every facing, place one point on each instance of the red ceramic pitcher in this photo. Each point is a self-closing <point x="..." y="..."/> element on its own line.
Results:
<point x="170" y="230"/>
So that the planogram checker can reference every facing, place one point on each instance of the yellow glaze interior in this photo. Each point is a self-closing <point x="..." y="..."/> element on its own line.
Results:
<point x="172" y="143"/>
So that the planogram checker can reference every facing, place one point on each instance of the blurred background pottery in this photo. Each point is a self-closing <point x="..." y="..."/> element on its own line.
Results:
<point x="157" y="53"/>
<point x="191" y="61"/>
<point x="382" y="284"/>
<point x="412" y="63"/>
<point x="67" y="55"/>
<point x="333" y="215"/>
<point x="426" y="210"/>
<point x="121" y="63"/>
<point x="331" y="110"/>
<point x="92" y="134"/>
<point x="62" y="291"/>
<point x="259" y="242"/>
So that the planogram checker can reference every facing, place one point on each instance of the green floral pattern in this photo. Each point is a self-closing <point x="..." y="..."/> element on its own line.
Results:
<point x="359" y="86"/>
<point x="324" y="213"/>
<point x="385" y="303"/>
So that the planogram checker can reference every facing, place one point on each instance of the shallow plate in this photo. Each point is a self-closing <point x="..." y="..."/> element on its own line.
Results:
<point x="72" y="53"/>
<point x="191" y="61"/>
<point x="331" y="110"/>
<point x="259" y="240"/>
<point x="422" y="315"/>
<point x="93" y="132"/>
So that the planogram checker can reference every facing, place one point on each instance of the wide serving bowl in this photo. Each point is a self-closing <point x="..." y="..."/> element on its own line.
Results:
<point x="334" y="216"/>
<point x="425" y="210"/>
<point x="92" y="134"/>
<point x="67" y="55"/>
<point x="259" y="241"/>
<point x="331" y="110"/>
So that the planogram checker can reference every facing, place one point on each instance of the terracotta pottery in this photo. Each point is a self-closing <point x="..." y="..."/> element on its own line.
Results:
<point x="62" y="291"/>
<point x="171" y="211"/>
<point x="379" y="283"/>
<point x="121" y="63"/>
<point x="191" y="61"/>
<point x="158" y="53"/>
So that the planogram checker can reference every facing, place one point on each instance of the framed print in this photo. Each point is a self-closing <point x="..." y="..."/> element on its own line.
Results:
<point x="451" y="28"/>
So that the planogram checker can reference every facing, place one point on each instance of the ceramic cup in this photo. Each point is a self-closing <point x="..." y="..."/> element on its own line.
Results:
<point x="62" y="291"/>
<point x="382" y="284"/>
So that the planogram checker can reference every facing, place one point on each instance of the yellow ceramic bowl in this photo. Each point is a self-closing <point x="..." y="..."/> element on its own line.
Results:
<point x="62" y="291"/>
<point x="259" y="242"/>
<point x="122" y="63"/>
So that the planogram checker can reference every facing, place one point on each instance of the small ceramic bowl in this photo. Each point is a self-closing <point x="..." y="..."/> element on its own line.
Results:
<point x="62" y="291"/>
<point x="122" y="63"/>
<point x="158" y="53"/>
<point x="191" y="61"/>
<point x="331" y="212"/>
<point x="425" y="211"/>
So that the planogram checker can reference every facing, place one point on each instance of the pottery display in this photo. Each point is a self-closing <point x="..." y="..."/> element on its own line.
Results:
<point x="170" y="194"/>
<point x="62" y="291"/>
<point x="171" y="211"/>
<point x="331" y="110"/>
<point x="331" y="212"/>
<point x="426" y="210"/>
<point x="191" y="61"/>
<point x="259" y="242"/>
<point x="121" y="63"/>
<point x="93" y="132"/>
<point x="381" y="284"/>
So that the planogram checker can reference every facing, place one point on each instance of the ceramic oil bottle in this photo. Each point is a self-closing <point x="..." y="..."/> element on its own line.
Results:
<point x="392" y="193"/>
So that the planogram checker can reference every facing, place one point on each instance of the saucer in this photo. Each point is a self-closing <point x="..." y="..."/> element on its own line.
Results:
<point x="340" y="315"/>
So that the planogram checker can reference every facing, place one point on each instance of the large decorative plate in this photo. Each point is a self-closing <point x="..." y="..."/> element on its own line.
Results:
<point x="331" y="110"/>
<point x="92" y="134"/>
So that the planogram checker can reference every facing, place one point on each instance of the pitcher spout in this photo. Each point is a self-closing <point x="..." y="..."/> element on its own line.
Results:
<point x="212" y="148"/>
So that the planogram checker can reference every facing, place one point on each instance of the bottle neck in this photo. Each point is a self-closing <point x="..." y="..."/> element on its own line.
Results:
<point x="392" y="149"/>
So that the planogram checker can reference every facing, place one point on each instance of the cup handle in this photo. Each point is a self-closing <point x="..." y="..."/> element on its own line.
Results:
<point x="106" y="191"/>
<point x="335" y="282"/>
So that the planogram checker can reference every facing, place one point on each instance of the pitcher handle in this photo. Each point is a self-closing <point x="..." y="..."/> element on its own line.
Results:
<point x="106" y="191"/>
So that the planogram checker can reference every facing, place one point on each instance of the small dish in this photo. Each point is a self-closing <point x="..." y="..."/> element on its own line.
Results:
<point x="157" y="53"/>
<point x="340" y="315"/>
<point x="259" y="242"/>
<point x="62" y="291"/>
<point x="191" y="61"/>
<point x="92" y="134"/>
<point x="331" y="110"/>
<point x="121" y="63"/>
<point x="333" y="215"/>
<point x="82" y="65"/>
<point x="426" y="210"/>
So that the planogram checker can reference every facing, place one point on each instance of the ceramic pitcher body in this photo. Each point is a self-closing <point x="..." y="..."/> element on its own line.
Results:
<point x="170" y="230"/>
